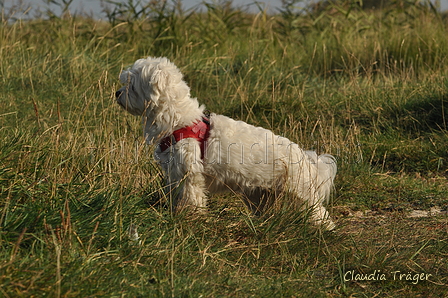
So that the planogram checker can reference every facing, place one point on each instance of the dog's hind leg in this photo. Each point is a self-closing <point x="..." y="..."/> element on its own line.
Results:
<point x="321" y="217"/>
<point x="311" y="200"/>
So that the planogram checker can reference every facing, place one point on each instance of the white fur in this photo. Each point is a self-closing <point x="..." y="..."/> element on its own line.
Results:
<point x="239" y="157"/>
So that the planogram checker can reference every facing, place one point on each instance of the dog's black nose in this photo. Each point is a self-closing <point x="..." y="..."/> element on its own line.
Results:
<point x="117" y="94"/>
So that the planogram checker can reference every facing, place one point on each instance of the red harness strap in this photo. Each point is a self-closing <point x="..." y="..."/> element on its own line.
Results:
<point x="199" y="131"/>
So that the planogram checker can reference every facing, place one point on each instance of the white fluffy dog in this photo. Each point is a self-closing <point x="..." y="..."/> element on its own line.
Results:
<point x="204" y="154"/>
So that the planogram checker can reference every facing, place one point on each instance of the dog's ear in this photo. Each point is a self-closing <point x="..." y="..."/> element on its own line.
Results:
<point x="166" y="75"/>
<point x="165" y="80"/>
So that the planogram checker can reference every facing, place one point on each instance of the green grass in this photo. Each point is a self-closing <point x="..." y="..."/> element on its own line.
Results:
<point x="369" y="87"/>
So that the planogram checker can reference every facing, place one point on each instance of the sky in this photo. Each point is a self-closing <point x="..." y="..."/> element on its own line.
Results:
<point x="95" y="7"/>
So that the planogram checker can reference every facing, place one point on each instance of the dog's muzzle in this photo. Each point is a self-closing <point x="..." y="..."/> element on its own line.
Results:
<point x="117" y="97"/>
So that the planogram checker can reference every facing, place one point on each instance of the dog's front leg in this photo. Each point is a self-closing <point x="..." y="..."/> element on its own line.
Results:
<point x="186" y="173"/>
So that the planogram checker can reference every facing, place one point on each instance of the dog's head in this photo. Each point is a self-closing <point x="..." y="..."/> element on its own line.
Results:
<point x="150" y="83"/>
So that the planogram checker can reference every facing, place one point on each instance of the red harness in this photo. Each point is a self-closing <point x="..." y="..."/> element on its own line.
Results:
<point x="199" y="131"/>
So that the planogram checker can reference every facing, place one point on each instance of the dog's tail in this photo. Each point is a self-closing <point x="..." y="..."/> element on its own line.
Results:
<point x="326" y="172"/>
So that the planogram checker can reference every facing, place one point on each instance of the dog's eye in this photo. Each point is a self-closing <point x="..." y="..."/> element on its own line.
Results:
<point x="132" y="87"/>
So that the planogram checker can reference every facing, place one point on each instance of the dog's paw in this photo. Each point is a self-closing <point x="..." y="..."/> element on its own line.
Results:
<point x="326" y="224"/>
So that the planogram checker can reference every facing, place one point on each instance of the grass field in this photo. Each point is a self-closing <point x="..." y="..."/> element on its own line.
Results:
<point x="369" y="87"/>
